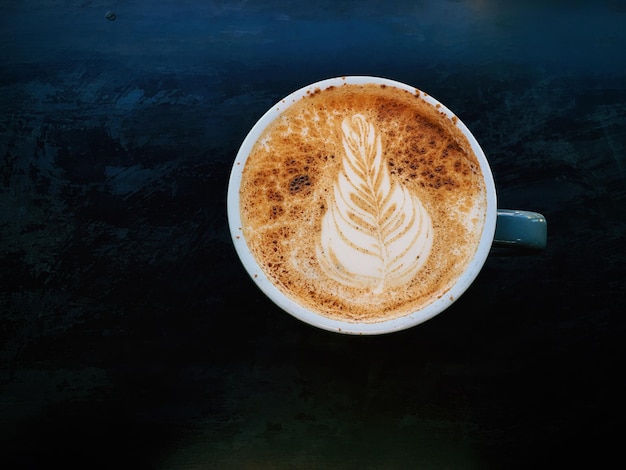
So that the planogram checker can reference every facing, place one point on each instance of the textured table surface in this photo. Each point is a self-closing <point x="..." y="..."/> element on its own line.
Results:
<point x="130" y="336"/>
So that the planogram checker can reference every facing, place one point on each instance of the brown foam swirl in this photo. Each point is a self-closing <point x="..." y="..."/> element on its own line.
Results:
<point x="375" y="234"/>
<point x="346" y="190"/>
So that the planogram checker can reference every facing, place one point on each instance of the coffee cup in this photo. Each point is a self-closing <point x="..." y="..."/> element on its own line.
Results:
<point x="362" y="205"/>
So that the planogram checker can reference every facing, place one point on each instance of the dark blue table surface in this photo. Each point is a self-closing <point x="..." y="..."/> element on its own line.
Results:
<point x="131" y="336"/>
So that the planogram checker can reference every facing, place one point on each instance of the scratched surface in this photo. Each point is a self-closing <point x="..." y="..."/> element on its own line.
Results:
<point x="129" y="332"/>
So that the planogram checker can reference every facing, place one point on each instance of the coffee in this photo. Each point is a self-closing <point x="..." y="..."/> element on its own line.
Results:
<point x="362" y="203"/>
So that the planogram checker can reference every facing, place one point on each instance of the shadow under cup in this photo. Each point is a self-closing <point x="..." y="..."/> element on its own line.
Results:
<point x="317" y="319"/>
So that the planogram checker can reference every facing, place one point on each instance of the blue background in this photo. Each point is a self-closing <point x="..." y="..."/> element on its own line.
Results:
<point x="130" y="333"/>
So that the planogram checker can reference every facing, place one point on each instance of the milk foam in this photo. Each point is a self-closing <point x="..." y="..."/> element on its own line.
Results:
<point x="375" y="234"/>
<point x="362" y="203"/>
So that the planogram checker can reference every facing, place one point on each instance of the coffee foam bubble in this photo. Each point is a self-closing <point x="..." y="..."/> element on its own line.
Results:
<point x="297" y="172"/>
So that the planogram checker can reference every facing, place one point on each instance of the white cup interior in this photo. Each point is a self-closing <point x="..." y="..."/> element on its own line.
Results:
<point x="317" y="319"/>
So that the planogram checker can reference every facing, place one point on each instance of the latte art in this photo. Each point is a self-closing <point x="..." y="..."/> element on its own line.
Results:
<point x="376" y="234"/>
<point x="361" y="202"/>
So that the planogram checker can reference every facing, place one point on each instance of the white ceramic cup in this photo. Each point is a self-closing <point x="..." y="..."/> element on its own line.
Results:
<point x="521" y="229"/>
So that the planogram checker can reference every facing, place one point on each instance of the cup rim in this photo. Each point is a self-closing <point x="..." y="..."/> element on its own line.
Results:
<point x="317" y="319"/>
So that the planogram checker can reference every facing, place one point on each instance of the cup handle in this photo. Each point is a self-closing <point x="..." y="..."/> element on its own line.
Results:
<point x="520" y="231"/>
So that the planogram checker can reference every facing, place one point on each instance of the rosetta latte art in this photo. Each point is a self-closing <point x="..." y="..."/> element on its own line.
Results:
<point x="375" y="233"/>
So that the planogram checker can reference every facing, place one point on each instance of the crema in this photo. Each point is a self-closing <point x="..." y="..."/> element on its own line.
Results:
<point x="362" y="202"/>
